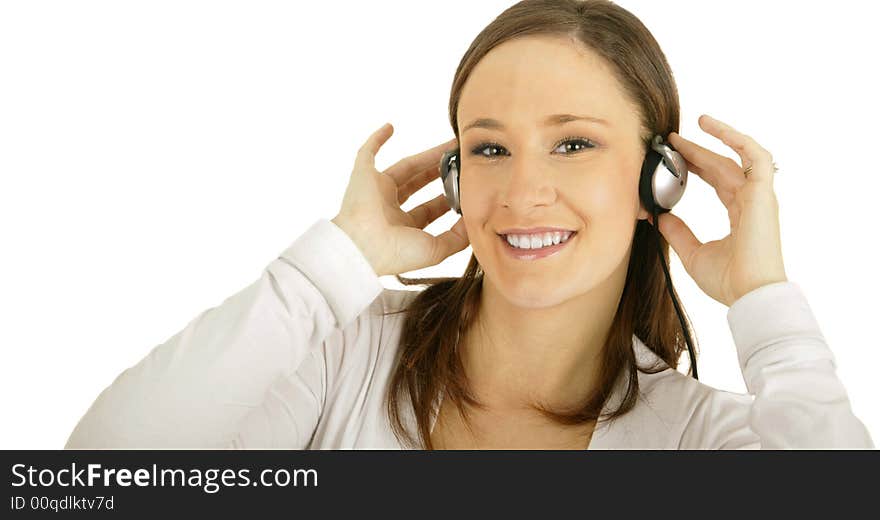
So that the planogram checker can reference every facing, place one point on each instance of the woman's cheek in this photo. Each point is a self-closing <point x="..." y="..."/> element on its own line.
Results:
<point x="602" y="197"/>
<point x="475" y="208"/>
<point x="607" y="212"/>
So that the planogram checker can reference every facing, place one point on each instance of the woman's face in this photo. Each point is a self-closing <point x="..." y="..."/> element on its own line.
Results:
<point x="536" y="174"/>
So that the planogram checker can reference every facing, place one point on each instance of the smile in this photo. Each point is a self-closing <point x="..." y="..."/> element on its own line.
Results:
<point x="532" y="247"/>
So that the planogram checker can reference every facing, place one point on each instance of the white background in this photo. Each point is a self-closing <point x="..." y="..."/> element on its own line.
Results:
<point x="156" y="156"/>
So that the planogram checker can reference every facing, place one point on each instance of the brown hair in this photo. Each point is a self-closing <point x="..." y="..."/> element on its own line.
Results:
<point x="429" y="363"/>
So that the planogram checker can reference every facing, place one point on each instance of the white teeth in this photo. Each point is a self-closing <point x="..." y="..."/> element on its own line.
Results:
<point x="538" y="241"/>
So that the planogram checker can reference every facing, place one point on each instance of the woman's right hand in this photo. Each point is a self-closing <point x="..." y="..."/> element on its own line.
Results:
<point x="393" y="240"/>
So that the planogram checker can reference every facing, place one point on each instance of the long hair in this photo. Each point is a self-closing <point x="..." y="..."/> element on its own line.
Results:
<point x="429" y="363"/>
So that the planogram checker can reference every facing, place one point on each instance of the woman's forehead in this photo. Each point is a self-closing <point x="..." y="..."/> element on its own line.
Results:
<point x="531" y="77"/>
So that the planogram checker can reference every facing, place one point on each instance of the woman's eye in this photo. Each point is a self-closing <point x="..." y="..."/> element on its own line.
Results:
<point x="487" y="149"/>
<point x="570" y="144"/>
<point x="575" y="145"/>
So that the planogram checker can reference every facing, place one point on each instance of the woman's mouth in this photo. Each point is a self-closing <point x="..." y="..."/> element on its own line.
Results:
<point x="532" y="247"/>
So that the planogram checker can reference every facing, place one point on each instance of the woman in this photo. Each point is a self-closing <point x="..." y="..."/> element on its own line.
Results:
<point x="572" y="350"/>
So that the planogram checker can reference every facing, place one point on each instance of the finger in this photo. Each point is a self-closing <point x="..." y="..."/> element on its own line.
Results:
<point x="428" y="212"/>
<point x="679" y="236"/>
<point x="715" y="169"/>
<point x="450" y="242"/>
<point x="366" y="155"/>
<point x="416" y="183"/>
<point x="726" y="196"/>
<point x="403" y="170"/>
<point x="751" y="153"/>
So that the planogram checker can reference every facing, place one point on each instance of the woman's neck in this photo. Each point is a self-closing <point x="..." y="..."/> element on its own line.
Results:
<point x="515" y="357"/>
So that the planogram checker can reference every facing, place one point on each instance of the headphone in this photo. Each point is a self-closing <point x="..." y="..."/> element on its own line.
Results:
<point x="661" y="185"/>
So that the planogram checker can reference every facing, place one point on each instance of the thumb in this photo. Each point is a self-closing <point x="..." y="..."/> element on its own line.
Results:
<point x="679" y="236"/>
<point x="452" y="241"/>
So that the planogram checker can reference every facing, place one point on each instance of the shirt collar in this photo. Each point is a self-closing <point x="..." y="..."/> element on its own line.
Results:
<point x="642" y="427"/>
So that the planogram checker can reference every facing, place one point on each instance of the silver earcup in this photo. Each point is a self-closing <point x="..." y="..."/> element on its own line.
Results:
<point x="669" y="178"/>
<point x="449" y="171"/>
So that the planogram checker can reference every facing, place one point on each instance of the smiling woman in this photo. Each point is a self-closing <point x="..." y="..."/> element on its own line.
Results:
<point x="563" y="304"/>
<point x="561" y="99"/>
<point x="560" y="334"/>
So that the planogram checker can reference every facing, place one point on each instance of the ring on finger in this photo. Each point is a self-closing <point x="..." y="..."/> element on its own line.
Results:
<point x="748" y="170"/>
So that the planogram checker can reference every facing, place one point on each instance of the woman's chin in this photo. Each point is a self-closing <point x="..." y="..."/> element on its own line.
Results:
<point x="536" y="293"/>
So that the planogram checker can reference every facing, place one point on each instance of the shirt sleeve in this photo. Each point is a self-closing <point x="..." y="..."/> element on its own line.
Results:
<point x="196" y="389"/>
<point x="796" y="400"/>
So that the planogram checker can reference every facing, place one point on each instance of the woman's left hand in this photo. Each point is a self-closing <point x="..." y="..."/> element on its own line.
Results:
<point x="751" y="255"/>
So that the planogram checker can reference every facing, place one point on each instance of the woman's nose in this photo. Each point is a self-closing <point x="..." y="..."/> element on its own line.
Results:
<point x="527" y="184"/>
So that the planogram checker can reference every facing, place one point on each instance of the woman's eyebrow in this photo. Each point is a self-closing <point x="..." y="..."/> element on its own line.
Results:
<point x="551" y="120"/>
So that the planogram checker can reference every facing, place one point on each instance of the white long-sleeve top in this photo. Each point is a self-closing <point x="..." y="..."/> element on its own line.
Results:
<point x="302" y="358"/>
